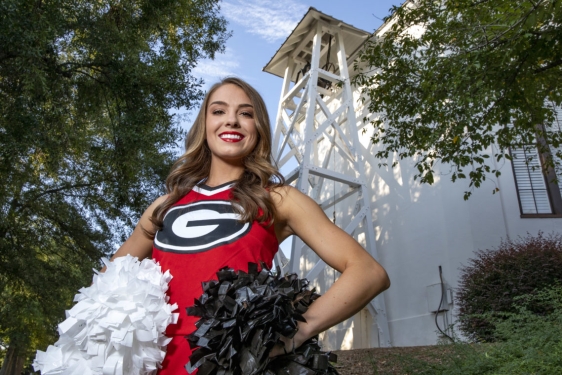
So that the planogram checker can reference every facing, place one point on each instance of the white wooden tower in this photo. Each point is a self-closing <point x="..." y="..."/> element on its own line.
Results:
<point x="316" y="131"/>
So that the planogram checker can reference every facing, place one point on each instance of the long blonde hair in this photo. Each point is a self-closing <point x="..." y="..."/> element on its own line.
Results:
<point x="251" y="190"/>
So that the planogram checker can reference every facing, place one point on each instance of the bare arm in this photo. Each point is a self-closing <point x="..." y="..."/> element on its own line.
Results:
<point x="362" y="278"/>
<point x="138" y="244"/>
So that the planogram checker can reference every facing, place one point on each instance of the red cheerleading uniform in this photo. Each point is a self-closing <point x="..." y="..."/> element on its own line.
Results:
<point x="201" y="234"/>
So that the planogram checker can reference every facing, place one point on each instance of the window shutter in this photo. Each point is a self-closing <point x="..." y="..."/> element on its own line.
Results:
<point x="557" y="127"/>
<point x="538" y="193"/>
<point x="533" y="193"/>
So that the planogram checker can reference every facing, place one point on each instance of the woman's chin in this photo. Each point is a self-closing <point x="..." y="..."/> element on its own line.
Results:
<point x="234" y="159"/>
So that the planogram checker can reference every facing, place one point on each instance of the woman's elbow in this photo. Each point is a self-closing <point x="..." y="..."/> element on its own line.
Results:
<point x="385" y="281"/>
<point x="381" y="279"/>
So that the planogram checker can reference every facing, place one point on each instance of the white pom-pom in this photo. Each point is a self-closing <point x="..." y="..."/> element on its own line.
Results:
<point x="117" y="325"/>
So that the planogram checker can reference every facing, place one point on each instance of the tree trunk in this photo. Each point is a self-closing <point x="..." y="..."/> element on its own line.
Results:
<point x="13" y="362"/>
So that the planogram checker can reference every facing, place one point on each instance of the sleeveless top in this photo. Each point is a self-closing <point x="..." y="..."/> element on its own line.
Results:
<point x="201" y="234"/>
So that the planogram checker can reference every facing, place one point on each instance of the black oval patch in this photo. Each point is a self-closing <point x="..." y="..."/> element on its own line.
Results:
<point x="200" y="226"/>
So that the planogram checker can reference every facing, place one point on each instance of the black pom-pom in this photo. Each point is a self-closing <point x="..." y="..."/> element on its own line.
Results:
<point x="243" y="315"/>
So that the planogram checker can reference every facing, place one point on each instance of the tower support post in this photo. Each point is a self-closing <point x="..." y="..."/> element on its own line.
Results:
<point x="316" y="129"/>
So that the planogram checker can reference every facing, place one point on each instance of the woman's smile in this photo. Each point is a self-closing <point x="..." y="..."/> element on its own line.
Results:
<point x="231" y="136"/>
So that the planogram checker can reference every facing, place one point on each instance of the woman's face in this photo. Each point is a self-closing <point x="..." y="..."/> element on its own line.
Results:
<point x="230" y="125"/>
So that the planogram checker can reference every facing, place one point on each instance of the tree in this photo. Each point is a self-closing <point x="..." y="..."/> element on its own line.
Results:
<point x="451" y="78"/>
<point x="86" y="139"/>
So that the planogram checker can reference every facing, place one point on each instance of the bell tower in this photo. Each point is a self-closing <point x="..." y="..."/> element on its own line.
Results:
<point x="316" y="131"/>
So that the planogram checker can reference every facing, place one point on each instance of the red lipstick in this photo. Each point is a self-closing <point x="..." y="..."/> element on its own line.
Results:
<point x="231" y="136"/>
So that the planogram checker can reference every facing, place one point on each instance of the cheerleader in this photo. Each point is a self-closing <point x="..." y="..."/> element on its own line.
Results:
<point x="227" y="205"/>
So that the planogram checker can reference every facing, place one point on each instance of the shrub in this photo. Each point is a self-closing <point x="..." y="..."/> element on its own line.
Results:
<point x="492" y="281"/>
<point x="528" y="343"/>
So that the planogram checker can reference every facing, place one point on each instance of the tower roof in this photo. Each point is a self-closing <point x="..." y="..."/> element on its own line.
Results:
<point x="294" y="46"/>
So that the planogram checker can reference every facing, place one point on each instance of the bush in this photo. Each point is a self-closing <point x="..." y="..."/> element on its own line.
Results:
<point x="528" y="343"/>
<point x="493" y="280"/>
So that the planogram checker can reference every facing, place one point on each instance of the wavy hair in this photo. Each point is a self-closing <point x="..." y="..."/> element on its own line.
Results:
<point x="251" y="190"/>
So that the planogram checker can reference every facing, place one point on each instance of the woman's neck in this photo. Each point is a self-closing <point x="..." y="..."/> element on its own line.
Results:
<point x="222" y="172"/>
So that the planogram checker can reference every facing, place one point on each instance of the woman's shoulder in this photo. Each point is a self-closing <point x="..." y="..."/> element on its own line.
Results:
<point x="280" y="193"/>
<point x="156" y="203"/>
<point x="161" y="199"/>
<point x="286" y="191"/>
<point x="286" y="198"/>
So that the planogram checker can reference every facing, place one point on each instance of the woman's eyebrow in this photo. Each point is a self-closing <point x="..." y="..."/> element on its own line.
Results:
<point x="219" y="102"/>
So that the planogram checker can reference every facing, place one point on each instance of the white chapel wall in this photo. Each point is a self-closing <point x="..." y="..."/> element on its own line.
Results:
<point x="420" y="227"/>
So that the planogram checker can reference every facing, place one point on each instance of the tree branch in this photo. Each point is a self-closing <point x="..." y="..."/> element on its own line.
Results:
<point x="553" y="64"/>
<point x="497" y="38"/>
<point x="56" y="190"/>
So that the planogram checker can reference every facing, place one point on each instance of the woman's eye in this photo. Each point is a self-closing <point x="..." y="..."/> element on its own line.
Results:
<point x="218" y="112"/>
<point x="247" y="114"/>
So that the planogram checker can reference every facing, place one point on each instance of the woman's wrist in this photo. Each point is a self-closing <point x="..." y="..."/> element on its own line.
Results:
<point x="304" y="333"/>
<point x="290" y="344"/>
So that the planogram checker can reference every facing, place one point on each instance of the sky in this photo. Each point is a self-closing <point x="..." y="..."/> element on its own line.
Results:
<point x="259" y="28"/>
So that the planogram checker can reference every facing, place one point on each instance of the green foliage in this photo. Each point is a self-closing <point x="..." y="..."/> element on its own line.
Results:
<point x="86" y="138"/>
<point x="529" y="344"/>
<point x="493" y="280"/>
<point x="452" y="78"/>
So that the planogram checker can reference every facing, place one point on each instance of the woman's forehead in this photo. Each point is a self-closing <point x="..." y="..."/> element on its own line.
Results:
<point x="229" y="94"/>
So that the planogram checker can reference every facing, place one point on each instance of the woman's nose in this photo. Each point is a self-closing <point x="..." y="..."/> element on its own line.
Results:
<point x="232" y="119"/>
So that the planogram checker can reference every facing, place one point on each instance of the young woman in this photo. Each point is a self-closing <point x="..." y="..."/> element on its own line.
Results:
<point x="227" y="206"/>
